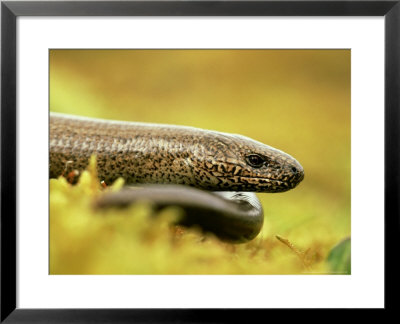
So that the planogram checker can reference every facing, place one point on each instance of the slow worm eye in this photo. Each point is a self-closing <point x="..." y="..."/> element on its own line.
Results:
<point x="255" y="160"/>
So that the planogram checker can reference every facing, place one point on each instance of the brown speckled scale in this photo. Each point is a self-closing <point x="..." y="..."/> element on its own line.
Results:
<point x="152" y="153"/>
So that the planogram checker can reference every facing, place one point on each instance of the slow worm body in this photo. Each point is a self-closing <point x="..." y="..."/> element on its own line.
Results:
<point x="223" y="169"/>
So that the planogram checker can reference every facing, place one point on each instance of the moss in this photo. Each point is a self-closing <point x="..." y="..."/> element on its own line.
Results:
<point x="133" y="241"/>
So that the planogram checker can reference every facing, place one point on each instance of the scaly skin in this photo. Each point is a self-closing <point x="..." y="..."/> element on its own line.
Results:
<point x="164" y="154"/>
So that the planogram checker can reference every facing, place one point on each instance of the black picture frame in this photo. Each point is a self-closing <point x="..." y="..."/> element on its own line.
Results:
<point x="10" y="10"/>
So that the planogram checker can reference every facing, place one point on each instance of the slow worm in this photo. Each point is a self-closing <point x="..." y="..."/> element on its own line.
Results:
<point x="223" y="169"/>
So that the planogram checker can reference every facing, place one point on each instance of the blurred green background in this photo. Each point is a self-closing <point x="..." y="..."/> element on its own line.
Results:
<point x="295" y="100"/>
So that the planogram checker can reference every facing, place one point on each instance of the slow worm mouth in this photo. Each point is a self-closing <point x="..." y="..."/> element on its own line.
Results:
<point x="266" y="182"/>
<point x="281" y="185"/>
